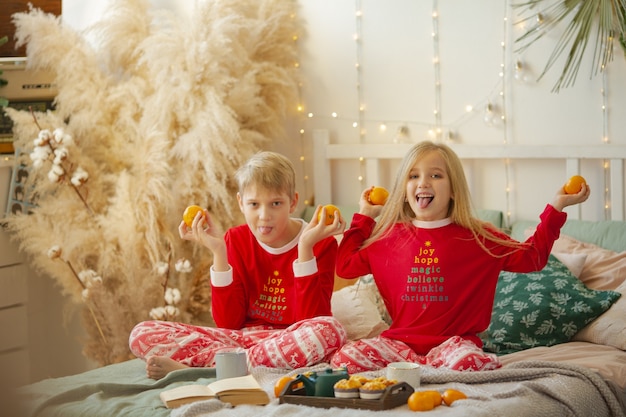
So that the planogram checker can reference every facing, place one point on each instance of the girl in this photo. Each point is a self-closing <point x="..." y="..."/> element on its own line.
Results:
<point x="435" y="265"/>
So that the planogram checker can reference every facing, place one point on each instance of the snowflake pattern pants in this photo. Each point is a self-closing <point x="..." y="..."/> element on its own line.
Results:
<point x="455" y="353"/>
<point x="304" y="343"/>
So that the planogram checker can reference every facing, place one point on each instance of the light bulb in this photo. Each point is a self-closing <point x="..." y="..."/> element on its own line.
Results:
<point x="539" y="18"/>
<point x="522" y="73"/>
<point x="402" y="135"/>
<point x="488" y="116"/>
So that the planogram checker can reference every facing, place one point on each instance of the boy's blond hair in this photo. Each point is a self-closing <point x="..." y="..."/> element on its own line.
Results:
<point x="398" y="210"/>
<point x="269" y="170"/>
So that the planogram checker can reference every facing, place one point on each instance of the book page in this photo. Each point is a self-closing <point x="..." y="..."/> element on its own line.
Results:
<point x="239" y="390"/>
<point x="186" y="391"/>
<point x="240" y="383"/>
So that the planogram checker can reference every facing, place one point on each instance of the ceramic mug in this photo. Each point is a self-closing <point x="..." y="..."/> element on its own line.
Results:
<point x="408" y="372"/>
<point x="231" y="364"/>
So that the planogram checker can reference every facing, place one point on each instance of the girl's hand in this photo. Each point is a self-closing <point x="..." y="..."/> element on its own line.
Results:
<point x="562" y="199"/>
<point x="365" y="207"/>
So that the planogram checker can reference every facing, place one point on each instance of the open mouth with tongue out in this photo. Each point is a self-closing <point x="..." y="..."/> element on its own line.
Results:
<point x="423" y="200"/>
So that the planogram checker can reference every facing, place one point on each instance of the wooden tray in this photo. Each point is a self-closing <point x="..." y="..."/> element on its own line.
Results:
<point x="394" y="396"/>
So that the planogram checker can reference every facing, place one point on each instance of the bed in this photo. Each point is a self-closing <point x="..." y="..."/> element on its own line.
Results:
<point x="580" y="374"/>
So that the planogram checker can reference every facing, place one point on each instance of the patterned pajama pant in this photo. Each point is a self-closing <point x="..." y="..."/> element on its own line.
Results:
<point x="304" y="343"/>
<point x="455" y="353"/>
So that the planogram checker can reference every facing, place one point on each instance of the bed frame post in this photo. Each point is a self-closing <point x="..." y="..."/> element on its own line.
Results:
<point x="618" y="202"/>
<point x="572" y="167"/>
<point x="321" y="167"/>
<point x="372" y="173"/>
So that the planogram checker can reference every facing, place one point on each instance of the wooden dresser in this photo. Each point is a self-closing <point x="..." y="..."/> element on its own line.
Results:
<point x="14" y="355"/>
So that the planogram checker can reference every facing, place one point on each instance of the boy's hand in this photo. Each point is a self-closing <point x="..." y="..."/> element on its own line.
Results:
<point x="318" y="230"/>
<point x="365" y="207"/>
<point x="562" y="199"/>
<point x="203" y="231"/>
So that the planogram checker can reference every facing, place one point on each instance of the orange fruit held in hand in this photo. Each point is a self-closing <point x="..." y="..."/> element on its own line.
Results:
<point x="331" y="212"/>
<point x="451" y="395"/>
<point x="281" y="383"/>
<point x="574" y="185"/>
<point x="190" y="213"/>
<point x="378" y="196"/>
<point x="421" y="401"/>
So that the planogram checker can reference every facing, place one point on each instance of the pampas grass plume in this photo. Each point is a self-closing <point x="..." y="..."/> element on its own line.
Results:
<point x="162" y="109"/>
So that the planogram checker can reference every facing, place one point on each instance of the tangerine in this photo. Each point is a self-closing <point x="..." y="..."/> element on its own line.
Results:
<point x="331" y="213"/>
<point x="574" y="185"/>
<point x="190" y="213"/>
<point x="436" y="396"/>
<point x="378" y="196"/>
<point x="451" y="395"/>
<point x="421" y="401"/>
<point x="281" y="383"/>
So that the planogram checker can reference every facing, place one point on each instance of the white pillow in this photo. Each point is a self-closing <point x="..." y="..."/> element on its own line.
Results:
<point x="610" y="328"/>
<point x="575" y="262"/>
<point x="603" y="270"/>
<point x="355" y="308"/>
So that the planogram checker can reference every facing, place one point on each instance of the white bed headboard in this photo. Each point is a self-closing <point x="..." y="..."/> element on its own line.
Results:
<point x="606" y="159"/>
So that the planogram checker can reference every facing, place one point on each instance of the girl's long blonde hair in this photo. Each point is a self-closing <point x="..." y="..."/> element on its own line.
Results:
<point x="398" y="210"/>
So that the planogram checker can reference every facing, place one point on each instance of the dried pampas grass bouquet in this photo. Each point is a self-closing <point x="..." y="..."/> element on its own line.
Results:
<point x="154" y="112"/>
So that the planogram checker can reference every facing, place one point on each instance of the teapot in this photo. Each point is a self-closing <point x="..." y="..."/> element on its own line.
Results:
<point x="321" y="383"/>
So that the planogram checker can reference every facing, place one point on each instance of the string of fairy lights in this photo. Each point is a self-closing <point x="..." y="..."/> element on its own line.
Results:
<point x="503" y="104"/>
<point x="493" y="104"/>
<point x="358" y="34"/>
<point x="605" y="139"/>
<point x="301" y="130"/>
<point x="605" y="136"/>
<point x="436" y="133"/>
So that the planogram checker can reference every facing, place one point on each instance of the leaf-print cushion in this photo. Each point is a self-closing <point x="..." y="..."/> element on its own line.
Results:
<point x="541" y="308"/>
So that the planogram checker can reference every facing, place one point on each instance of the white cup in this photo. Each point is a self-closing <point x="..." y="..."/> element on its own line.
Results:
<point x="231" y="364"/>
<point x="408" y="372"/>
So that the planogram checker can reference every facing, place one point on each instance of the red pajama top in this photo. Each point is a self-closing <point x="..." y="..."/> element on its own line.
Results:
<point x="265" y="285"/>
<point x="435" y="279"/>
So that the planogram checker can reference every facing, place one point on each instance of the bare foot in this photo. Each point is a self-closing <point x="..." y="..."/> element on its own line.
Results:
<point x="159" y="366"/>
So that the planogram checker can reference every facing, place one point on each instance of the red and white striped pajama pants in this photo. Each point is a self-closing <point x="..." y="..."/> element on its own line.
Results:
<point x="304" y="343"/>
<point x="455" y="353"/>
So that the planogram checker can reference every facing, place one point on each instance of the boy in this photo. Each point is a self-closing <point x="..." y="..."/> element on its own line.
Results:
<point x="271" y="282"/>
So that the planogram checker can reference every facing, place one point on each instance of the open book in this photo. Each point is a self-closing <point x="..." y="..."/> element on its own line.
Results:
<point x="238" y="390"/>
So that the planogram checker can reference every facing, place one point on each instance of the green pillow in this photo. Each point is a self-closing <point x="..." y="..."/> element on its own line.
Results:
<point x="542" y="308"/>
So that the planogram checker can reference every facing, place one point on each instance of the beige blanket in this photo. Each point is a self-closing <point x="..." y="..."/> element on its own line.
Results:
<point x="521" y="389"/>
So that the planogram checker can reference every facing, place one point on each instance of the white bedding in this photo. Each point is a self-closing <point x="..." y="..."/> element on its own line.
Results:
<point x="607" y="361"/>
<point x="517" y="390"/>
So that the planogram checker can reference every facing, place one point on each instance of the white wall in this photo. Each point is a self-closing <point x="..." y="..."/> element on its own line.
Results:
<point x="395" y="85"/>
